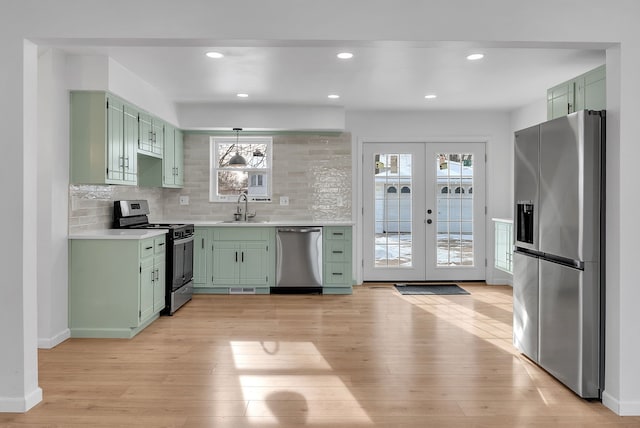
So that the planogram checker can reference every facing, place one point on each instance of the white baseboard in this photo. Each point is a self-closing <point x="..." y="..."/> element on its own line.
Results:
<point x="52" y="342"/>
<point x="504" y="279"/>
<point x="621" y="408"/>
<point x="22" y="404"/>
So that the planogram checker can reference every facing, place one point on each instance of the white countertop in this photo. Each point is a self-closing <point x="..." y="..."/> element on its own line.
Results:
<point x="119" y="234"/>
<point x="502" y="220"/>
<point x="270" y="223"/>
<point x="150" y="233"/>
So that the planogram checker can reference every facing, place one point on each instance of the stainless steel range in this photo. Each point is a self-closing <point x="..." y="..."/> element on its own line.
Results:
<point x="133" y="214"/>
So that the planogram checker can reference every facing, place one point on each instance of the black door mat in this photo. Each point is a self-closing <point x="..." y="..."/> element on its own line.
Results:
<point x="430" y="288"/>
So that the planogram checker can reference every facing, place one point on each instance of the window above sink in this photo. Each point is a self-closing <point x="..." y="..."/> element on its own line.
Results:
<point x="253" y="176"/>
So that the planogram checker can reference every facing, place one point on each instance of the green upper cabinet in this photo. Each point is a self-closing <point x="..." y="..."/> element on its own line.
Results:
<point x="150" y="135"/>
<point x="114" y="142"/>
<point x="167" y="170"/>
<point x="587" y="91"/>
<point x="104" y="134"/>
<point x="173" y="161"/>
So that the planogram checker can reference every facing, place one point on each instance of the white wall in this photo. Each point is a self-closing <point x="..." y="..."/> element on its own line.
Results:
<point x="204" y="116"/>
<point x="53" y="179"/>
<point x="491" y="128"/>
<point x="101" y="73"/>
<point x="501" y="22"/>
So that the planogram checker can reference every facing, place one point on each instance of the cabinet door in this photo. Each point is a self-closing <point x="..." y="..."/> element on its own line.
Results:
<point x="159" y="284"/>
<point x="200" y="256"/>
<point x="157" y="129"/>
<point x="115" y="138"/>
<point x="130" y="142"/>
<point x="145" y="132"/>
<point x="595" y="91"/>
<point x="178" y="160"/>
<point x="147" y="283"/>
<point x="226" y="263"/>
<point x="254" y="260"/>
<point x="168" y="160"/>
<point x="561" y="100"/>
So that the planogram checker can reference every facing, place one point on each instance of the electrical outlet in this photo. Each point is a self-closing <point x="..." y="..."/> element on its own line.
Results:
<point x="184" y="200"/>
<point x="284" y="200"/>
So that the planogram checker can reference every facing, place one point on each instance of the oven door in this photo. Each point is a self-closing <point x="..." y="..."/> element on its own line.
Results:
<point x="182" y="262"/>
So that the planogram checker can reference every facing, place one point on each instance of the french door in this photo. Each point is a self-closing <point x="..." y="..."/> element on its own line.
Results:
<point x="423" y="211"/>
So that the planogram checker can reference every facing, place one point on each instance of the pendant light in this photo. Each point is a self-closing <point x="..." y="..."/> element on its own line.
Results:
<point x="237" y="160"/>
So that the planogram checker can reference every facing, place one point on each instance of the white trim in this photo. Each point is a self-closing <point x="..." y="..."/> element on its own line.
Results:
<point x="20" y="405"/>
<point x="357" y="202"/>
<point x="621" y="408"/>
<point x="265" y="171"/>
<point x="52" y="342"/>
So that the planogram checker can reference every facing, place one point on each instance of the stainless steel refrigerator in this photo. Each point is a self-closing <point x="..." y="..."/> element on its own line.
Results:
<point x="558" y="248"/>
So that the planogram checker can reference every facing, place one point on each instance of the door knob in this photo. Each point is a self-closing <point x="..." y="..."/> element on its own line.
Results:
<point x="429" y="221"/>
<point x="429" y="211"/>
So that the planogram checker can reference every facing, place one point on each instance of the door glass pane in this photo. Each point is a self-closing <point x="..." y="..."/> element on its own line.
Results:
<point x="454" y="194"/>
<point x="393" y="204"/>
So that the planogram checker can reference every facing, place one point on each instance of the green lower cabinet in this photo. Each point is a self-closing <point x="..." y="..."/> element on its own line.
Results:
<point x="337" y="274"/>
<point x="116" y="286"/>
<point x="242" y="260"/>
<point x="231" y="260"/>
<point x="201" y="256"/>
<point x="147" y="276"/>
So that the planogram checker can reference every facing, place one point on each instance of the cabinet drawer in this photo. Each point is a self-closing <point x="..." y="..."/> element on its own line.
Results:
<point x="337" y="233"/>
<point x="336" y="273"/>
<point x="160" y="244"/>
<point x="337" y="251"/>
<point x="147" y="248"/>
<point x="248" y="233"/>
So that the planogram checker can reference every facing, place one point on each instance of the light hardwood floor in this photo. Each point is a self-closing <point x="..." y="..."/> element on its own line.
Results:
<point x="375" y="358"/>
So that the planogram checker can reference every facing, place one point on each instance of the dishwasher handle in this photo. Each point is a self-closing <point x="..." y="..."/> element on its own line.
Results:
<point x="299" y="230"/>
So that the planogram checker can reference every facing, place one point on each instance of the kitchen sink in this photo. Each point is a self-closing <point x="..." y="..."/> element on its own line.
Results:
<point x="244" y="222"/>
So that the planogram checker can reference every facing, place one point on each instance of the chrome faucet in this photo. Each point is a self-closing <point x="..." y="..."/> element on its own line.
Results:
<point x="246" y="205"/>
<point x="247" y="214"/>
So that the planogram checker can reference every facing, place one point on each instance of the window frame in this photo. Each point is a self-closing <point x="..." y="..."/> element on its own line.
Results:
<point x="267" y="171"/>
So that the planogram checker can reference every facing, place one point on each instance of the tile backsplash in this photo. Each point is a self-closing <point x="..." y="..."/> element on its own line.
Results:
<point x="313" y="170"/>
<point x="91" y="206"/>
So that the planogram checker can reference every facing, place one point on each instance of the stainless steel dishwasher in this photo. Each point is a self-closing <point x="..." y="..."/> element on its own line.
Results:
<point x="299" y="257"/>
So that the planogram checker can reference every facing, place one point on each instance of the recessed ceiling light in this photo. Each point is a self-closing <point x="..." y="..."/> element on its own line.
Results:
<point x="475" y="56"/>
<point x="214" y="55"/>
<point x="242" y="95"/>
<point x="333" y="96"/>
<point x="345" y="55"/>
<point x="430" y="96"/>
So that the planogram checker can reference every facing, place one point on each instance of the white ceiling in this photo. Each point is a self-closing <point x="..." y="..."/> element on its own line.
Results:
<point x="380" y="76"/>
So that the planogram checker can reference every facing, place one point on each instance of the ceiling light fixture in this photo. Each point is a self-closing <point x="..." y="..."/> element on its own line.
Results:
<point x="475" y="56"/>
<point x="333" y="96"/>
<point x="214" y="55"/>
<point x="345" y="55"/>
<point x="237" y="160"/>
<point x="430" y="96"/>
<point x="242" y="95"/>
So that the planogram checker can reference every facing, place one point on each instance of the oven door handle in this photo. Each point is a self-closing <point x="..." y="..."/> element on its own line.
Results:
<point x="183" y="240"/>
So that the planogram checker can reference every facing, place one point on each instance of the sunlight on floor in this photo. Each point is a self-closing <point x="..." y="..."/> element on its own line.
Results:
<point x="467" y="318"/>
<point x="305" y="391"/>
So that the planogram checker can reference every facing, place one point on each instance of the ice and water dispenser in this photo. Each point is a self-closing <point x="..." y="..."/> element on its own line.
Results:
<point x="524" y="229"/>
